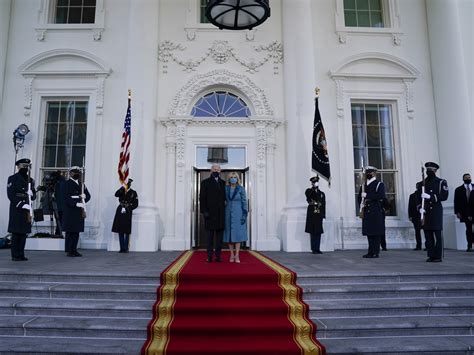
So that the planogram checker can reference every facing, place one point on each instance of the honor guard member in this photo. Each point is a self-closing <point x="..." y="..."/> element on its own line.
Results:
<point x="74" y="210"/>
<point x="461" y="207"/>
<point x="128" y="201"/>
<point x="373" y="221"/>
<point x="20" y="191"/>
<point x="414" y="216"/>
<point x="436" y="190"/>
<point x="315" y="214"/>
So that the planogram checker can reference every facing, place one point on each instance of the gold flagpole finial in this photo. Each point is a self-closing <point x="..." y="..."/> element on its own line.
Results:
<point x="317" y="91"/>
<point x="129" y="93"/>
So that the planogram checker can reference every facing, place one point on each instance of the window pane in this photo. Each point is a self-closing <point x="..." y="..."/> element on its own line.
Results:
<point x="392" y="210"/>
<point x="220" y="104"/>
<point x="74" y="15"/>
<point x="386" y="137"/>
<point x="88" y="15"/>
<point x="385" y="113"/>
<point x="51" y="133"/>
<point x="75" y="2"/>
<point x="363" y="19"/>
<point x="61" y="15"/>
<point x="358" y="136"/>
<point x="49" y="157"/>
<point x="372" y="114"/>
<point x="387" y="158"/>
<point x="358" y="114"/>
<point x="80" y="132"/>
<point x="350" y="18"/>
<point x="358" y="155"/>
<point x="89" y="3"/>
<point x="80" y="114"/>
<point x="62" y="158"/>
<point x="376" y="19"/>
<point x="78" y="153"/>
<point x="375" y="5"/>
<point x="362" y="4"/>
<point x="349" y="4"/>
<point x="203" y="18"/>
<point x="374" y="158"/>
<point x="53" y="112"/>
<point x="389" y="181"/>
<point x="373" y="136"/>
<point x="62" y="3"/>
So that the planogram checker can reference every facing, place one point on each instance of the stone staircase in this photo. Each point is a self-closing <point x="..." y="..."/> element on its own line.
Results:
<point x="393" y="314"/>
<point x="53" y="313"/>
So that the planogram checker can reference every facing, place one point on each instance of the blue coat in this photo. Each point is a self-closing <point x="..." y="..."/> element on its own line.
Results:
<point x="235" y="213"/>
<point x="438" y="190"/>
<point x="17" y="188"/>
<point x="73" y="221"/>
<point x="373" y="222"/>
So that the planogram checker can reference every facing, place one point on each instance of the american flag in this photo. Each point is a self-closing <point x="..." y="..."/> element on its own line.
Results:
<point x="124" y="149"/>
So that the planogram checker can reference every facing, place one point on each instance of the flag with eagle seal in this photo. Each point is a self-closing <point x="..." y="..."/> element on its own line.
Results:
<point x="320" y="156"/>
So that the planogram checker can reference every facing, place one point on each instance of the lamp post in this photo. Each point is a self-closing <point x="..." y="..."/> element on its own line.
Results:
<point x="237" y="14"/>
<point x="18" y="139"/>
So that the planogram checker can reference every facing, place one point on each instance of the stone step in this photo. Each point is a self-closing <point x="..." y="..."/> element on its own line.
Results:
<point x="409" y="345"/>
<point x="393" y="326"/>
<point x="392" y="307"/>
<point x="83" y="291"/>
<point x="81" y="278"/>
<point x="72" y="327"/>
<point x="76" y="307"/>
<point x="401" y="290"/>
<point x="59" y="345"/>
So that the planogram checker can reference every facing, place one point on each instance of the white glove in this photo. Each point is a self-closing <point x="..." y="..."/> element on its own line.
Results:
<point x="425" y="195"/>
<point x="30" y="193"/>
<point x="123" y="210"/>
<point x="422" y="210"/>
<point x="364" y="194"/>
<point x="80" y="204"/>
<point x="26" y="207"/>
<point x="82" y="196"/>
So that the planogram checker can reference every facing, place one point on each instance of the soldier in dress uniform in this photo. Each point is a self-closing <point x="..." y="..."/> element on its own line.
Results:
<point x="373" y="221"/>
<point x="414" y="216"/>
<point x="128" y="201"/>
<point x="436" y="190"/>
<point x="315" y="214"/>
<point x="74" y="210"/>
<point x="461" y="207"/>
<point x="20" y="191"/>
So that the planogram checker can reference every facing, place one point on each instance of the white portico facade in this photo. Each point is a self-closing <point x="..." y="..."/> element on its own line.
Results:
<point x="410" y="80"/>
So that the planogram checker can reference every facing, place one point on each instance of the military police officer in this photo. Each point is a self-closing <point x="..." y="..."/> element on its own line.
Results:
<point x="315" y="214"/>
<point x="20" y="191"/>
<point x="435" y="191"/>
<point x="74" y="210"/>
<point x="128" y="201"/>
<point x="373" y="220"/>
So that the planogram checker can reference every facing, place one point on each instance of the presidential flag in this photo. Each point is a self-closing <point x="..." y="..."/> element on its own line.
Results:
<point x="320" y="156"/>
<point x="125" y="147"/>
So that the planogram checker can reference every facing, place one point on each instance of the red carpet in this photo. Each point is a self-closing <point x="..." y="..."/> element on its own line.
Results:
<point x="253" y="307"/>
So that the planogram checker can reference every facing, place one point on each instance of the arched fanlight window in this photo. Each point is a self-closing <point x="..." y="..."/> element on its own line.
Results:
<point x="220" y="104"/>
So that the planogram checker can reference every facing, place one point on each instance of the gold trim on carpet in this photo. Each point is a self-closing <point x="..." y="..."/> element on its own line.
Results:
<point x="164" y="310"/>
<point x="302" y="328"/>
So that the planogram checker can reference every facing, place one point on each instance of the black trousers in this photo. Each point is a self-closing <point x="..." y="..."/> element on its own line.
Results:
<point x="58" y="222"/>
<point x="18" y="245"/>
<point x="417" y="236"/>
<point x="383" y="242"/>
<point x="124" y="240"/>
<point x="469" y="236"/>
<point x="210" y="243"/>
<point x="434" y="243"/>
<point x="374" y="244"/>
<point x="315" y="241"/>
<point x="72" y="238"/>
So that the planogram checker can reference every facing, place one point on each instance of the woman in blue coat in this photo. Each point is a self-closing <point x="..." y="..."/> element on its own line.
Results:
<point x="235" y="230"/>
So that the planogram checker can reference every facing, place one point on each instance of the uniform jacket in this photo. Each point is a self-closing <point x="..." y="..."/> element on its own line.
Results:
<point x="212" y="203"/>
<point x="316" y="211"/>
<point x="461" y="202"/>
<point x="235" y="213"/>
<point x="73" y="221"/>
<point x="17" y="191"/>
<point x="129" y="201"/>
<point x="373" y="222"/>
<point x="438" y="190"/>
<point x="413" y="209"/>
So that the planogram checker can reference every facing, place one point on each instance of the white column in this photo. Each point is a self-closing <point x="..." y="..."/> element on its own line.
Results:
<point x="299" y="77"/>
<point x="260" y="213"/>
<point x="272" y="240"/>
<point x="451" y="60"/>
<point x="5" y="7"/>
<point x="142" y="75"/>
<point x="170" y="182"/>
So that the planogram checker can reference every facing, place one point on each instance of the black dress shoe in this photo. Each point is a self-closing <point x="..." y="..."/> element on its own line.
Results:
<point x="417" y="248"/>
<point x="433" y="260"/>
<point x="367" y="256"/>
<point x="317" y="252"/>
<point x="218" y="260"/>
<point x="429" y="260"/>
<point x="70" y="254"/>
<point x="77" y="254"/>
<point x="384" y="249"/>
<point x="209" y="260"/>
<point x="469" y="250"/>
<point x="23" y="258"/>
<point x="16" y="259"/>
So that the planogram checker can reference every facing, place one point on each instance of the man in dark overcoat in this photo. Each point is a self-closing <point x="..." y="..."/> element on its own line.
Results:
<point x="373" y="221"/>
<point x="414" y="216"/>
<point x="315" y="214"/>
<point x="212" y="203"/>
<point x="74" y="210"/>
<point x="20" y="196"/>
<point x="436" y="191"/>
<point x="128" y="201"/>
<point x="461" y="208"/>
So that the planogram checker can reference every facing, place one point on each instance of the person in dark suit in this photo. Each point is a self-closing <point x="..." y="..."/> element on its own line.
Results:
<point x="436" y="191"/>
<point x="212" y="203"/>
<point x="461" y="207"/>
<point x="128" y="201"/>
<point x="385" y="210"/>
<point x="59" y="200"/>
<point x="315" y="214"/>
<point x="21" y="192"/>
<point x="373" y="221"/>
<point x="414" y="216"/>
<point x="74" y="210"/>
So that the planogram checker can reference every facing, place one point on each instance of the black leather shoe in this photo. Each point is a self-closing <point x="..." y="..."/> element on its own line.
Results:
<point x="77" y="254"/>
<point x="436" y="260"/>
<point x="218" y="260"/>
<point x="16" y="259"/>
<point x="318" y="252"/>
<point x="417" y="249"/>
<point x="70" y="254"/>
<point x="366" y="256"/>
<point x="429" y="260"/>
<point x="209" y="260"/>
<point x="384" y="249"/>
<point x="23" y="258"/>
<point x="469" y="250"/>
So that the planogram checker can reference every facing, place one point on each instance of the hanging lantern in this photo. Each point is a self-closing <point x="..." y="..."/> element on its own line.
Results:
<point x="237" y="14"/>
<point x="217" y="155"/>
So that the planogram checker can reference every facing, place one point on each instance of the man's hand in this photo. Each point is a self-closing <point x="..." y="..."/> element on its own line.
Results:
<point x="30" y="193"/>
<point x="82" y="196"/>
<point x="26" y="207"/>
<point x="422" y="210"/>
<point x="123" y="211"/>
<point x="80" y="205"/>
<point x="364" y="194"/>
<point x="425" y="196"/>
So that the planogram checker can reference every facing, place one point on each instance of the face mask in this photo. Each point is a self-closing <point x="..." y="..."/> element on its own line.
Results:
<point x="215" y="174"/>
<point x="233" y="180"/>
<point x="430" y="173"/>
<point x="75" y="176"/>
<point x="23" y="171"/>
<point x="467" y="181"/>
<point x="369" y="176"/>
<point x="315" y="184"/>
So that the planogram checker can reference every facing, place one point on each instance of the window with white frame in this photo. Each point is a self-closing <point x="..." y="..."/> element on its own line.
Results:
<point x="373" y="144"/>
<point x="73" y="11"/>
<point x="364" y="13"/>
<point x="220" y="104"/>
<point x="202" y="11"/>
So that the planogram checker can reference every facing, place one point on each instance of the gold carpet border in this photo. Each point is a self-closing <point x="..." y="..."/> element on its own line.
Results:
<point x="164" y="310"/>
<point x="302" y="328"/>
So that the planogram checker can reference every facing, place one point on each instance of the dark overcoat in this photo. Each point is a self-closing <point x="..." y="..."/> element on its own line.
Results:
<point x="123" y="221"/>
<point x="414" y="210"/>
<point x="438" y="190"/>
<point x="17" y="191"/>
<point x="212" y="203"/>
<point x="373" y="222"/>
<point x="316" y="211"/>
<point x="73" y="221"/>
<point x="461" y="205"/>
